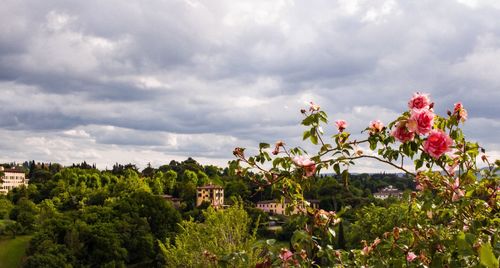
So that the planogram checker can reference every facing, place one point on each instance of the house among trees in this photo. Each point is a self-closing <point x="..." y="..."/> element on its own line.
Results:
<point x="387" y="192"/>
<point x="211" y="193"/>
<point x="10" y="179"/>
<point x="279" y="207"/>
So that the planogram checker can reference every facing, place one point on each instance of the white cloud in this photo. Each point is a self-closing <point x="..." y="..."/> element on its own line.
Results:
<point x="139" y="81"/>
<point x="480" y="3"/>
<point x="478" y="64"/>
<point x="378" y="14"/>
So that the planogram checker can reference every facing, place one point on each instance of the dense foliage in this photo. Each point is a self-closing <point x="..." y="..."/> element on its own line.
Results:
<point x="223" y="239"/>
<point x="80" y="216"/>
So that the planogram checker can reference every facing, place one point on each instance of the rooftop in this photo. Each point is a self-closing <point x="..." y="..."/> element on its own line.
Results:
<point x="12" y="171"/>
<point x="286" y="201"/>
<point x="210" y="186"/>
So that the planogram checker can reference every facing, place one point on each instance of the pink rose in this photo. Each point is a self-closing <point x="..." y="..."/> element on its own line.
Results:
<point x="421" y="121"/>
<point x="437" y="143"/>
<point x="306" y="163"/>
<point x="460" y="112"/>
<point x="419" y="101"/>
<point x="341" y="125"/>
<point x="313" y="107"/>
<point x="411" y="256"/>
<point x="401" y="133"/>
<point x="376" y="126"/>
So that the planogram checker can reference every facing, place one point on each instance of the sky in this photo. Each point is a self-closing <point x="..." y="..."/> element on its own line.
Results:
<point x="154" y="81"/>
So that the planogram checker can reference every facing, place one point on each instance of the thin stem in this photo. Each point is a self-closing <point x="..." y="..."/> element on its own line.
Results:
<point x="355" y="142"/>
<point x="379" y="159"/>
<point x="319" y="136"/>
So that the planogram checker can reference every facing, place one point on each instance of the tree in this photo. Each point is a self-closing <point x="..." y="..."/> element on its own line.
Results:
<point x="203" y="179"/>
<point x="168" y="180"/>
<point x="5" y="207"/>
<point x="25" y="213"/>
<point x="190" y="177"/>
<point x="223" y="239"/>
<point x="187" y="191"/>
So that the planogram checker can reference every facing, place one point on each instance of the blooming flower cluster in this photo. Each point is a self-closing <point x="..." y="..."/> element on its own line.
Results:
<point x="449" y="202"/>
<point x="421" y="122"/>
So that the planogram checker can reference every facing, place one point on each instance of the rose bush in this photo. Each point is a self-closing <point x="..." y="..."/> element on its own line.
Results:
<point x="451" y="220"/>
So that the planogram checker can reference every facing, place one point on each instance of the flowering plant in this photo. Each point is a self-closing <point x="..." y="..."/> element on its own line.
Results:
<point x="451" y="220"/>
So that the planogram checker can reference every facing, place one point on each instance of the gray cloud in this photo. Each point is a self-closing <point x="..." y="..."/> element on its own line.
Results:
<point x="118" y="80"/>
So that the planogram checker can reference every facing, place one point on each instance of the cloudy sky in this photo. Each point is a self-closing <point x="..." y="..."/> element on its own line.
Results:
<point x="151" y="81"/>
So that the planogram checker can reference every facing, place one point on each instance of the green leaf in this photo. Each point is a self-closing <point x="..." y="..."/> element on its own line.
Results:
<point x="487" y="257"/>
<point x="277" y="161"/>
<point x="406" y="148"/>
<point x="325" y="148"/>
<point x="306" y="135"/>
<point x="418" y="163"/>
<point x="323" y="117"/>
<point x="308" y="120"/>
<point x="463" y="247"/>
<point x="314" y="139"/>
<point x="263" y="145"/>
<point x="414" y="146"/>
<point x="336" y="167"/>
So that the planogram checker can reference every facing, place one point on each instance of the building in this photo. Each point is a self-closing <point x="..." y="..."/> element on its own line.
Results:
<point x="11" y="178"/>
<point x="279" y="207"/>
<point x="211" y="193"/>
<point x="387" y="192"/>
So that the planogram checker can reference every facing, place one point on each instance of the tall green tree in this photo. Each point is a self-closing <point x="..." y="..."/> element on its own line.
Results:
<point x="224" y="239"/>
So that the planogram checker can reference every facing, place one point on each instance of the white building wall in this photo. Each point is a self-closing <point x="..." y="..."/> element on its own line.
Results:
<point x="11" y="180"/>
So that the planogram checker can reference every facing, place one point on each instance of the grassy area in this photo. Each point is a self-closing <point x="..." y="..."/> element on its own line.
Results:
<point x="12" y="251"/>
